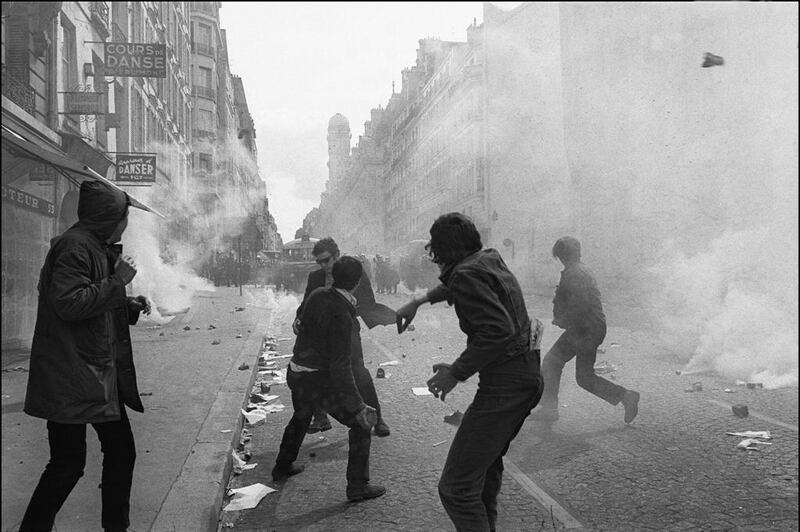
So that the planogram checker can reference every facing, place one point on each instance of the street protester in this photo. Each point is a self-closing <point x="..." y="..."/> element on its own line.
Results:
<point x="326" y="252"/>
<point x="577" y="308"/>
<point x="81" y="363"/>
<point x="500" y="348"/>
<point x="320" y="375"/>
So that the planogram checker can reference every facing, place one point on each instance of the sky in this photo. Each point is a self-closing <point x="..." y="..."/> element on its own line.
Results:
<point x="303" y="62"/>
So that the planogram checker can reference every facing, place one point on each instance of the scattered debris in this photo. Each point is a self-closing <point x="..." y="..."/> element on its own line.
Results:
<point x="410" y="327"/>
<point x="239" y="465"/>
<point x="603" y="367"/>
<point x="614" y="344"/>
<point x="211" y="327"/>
<point x="763" y="434"/>
<point x="754" y="385"/>
<point x="244" y="366"/>
<point x="187" y="328"/>
<point x="238" y="336"/>
<point x="380" y="374"/>
<point x="225" y="431"/>
<point x="145" y="393"/>
<point x="421" y="391"/>
<point x="711" y="60"/>
<point x="15" y="368"/>
<point x="255" y="417"/>
<point x="438" y="443"/>
<point x="748" y="444"/>
<point x="740" y="410"/>
<point x="728" y="390"/>
<point x="161" y="334"/>
<point x="216" y="342"/>
<point x="239" y="309"/>
<point x="246" y="497"/>
<point x="601" y="350"/>
<point x="390" y="363"/>
<point x="454" y="418"/>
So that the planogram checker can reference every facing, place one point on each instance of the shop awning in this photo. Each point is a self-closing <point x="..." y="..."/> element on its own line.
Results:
<point x="72" y="169"/>
<point x="37" y="150"/>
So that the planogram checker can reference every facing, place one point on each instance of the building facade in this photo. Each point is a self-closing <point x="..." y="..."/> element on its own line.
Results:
<point x="61" y="111"/>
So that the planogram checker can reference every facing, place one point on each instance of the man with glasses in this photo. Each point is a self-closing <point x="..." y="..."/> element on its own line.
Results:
<point x="326" y="252"/>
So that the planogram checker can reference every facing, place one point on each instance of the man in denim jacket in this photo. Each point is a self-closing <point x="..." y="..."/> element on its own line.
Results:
<point x="491" y="311"/>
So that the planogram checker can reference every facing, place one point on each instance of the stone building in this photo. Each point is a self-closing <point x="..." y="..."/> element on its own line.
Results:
<point x="53" y="67"/>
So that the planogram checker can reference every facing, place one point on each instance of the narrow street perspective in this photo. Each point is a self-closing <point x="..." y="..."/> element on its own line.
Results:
<point x="400" y="266"/>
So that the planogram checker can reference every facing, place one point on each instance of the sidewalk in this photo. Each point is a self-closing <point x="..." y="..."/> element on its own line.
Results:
<point x="192" y="391"/>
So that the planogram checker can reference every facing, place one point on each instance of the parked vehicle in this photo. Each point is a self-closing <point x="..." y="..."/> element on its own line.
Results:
<point x="295" y="263"/>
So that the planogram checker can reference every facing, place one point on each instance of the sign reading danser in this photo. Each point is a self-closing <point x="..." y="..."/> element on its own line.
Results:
<point x="135" y="59"/>
<point x="136" y="168"/>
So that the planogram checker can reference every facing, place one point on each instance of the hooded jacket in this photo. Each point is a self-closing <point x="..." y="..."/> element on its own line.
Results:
<point x="81" y="365"/>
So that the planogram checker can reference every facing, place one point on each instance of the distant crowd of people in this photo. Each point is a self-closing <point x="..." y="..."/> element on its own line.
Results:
<point x="82" y="366"/>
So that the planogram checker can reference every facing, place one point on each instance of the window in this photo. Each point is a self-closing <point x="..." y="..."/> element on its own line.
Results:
<point x="205" y="78"/>
<point x="204" y="34"/>
<point x="206" y="165"/>
<point x="205" y="120"/>
<point x="69" y="53"/>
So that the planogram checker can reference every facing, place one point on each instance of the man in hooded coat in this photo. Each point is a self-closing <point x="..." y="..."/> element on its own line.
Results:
<point x="81" y="366"/>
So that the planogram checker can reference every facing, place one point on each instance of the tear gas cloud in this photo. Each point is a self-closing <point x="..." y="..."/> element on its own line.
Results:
<point x="210" y="208"/>
<point x="680" y="181"/>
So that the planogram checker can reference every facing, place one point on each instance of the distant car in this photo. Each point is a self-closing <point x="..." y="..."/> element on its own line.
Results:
<point x="296" y="261"/>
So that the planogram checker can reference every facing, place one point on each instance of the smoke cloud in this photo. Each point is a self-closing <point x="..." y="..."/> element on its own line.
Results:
<point x="733" y="308"/>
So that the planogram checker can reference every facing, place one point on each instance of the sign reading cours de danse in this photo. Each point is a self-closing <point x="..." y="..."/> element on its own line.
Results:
<point x="135" y="59"/>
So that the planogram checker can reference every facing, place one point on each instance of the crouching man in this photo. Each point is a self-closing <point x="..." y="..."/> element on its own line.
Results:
<point x="320" y="376"/>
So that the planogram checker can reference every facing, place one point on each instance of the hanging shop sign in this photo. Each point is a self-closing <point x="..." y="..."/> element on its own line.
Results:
<point x="28" y="201"/>
<point x="83" y="103"/>
<point x="136" y="168"/>
<point x="129" y="59"/>
<point x="42" y="173"/>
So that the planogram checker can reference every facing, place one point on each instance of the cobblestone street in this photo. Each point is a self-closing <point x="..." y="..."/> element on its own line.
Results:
<point x="674" y="468"/>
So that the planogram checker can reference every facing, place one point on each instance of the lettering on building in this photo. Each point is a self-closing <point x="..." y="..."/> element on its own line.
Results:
<point x="136" y="168"/>
<point x="28" y="201"/>
<point x="135" y="60"/>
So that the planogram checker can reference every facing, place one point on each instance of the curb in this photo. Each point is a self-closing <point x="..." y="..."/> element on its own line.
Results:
<point x="204" y="475"/>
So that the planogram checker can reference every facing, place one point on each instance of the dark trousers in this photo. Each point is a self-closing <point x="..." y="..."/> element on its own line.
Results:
<point x="312" y="390"/>
<point x="581" y="346"/>
<point x="473" y="472"/>
<point x="67" y="460"/>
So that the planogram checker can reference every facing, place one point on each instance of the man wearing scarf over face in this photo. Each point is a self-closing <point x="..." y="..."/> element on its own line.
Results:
<point x="81" y="367"/>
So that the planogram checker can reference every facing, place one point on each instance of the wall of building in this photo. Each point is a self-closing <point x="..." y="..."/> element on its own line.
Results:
<point x="662" y="148"/>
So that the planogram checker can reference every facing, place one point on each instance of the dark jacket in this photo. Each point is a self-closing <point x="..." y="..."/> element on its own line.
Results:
<point x="324" y="342"/>
<point x="490" y="308"/>
<point x="577" y="306"/>
<point x="81" y="358"/>
<point x="372" y="312"/>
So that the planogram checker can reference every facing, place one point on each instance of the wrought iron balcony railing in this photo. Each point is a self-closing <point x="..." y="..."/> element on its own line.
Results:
<point x="19" y="92"/>
<point x="99" y="11"/>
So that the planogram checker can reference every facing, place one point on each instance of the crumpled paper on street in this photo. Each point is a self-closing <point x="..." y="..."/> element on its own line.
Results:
<point x="255" y="417"/>
<point x="240" y="465"/>
<point x="749" y="444"/>
<point x="247" y="497"/>
<point x="421" y="391"/>
<point x="763" y="434"/>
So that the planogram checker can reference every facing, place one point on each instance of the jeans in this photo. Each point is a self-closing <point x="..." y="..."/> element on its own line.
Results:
<point x="473" y="472"/>
<point x="67" y="461"/>
<point x="583" y="348"/>
<point x="312" y="390"/>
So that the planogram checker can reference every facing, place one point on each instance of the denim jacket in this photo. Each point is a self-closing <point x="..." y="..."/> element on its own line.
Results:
<point x="490" y="308"/>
